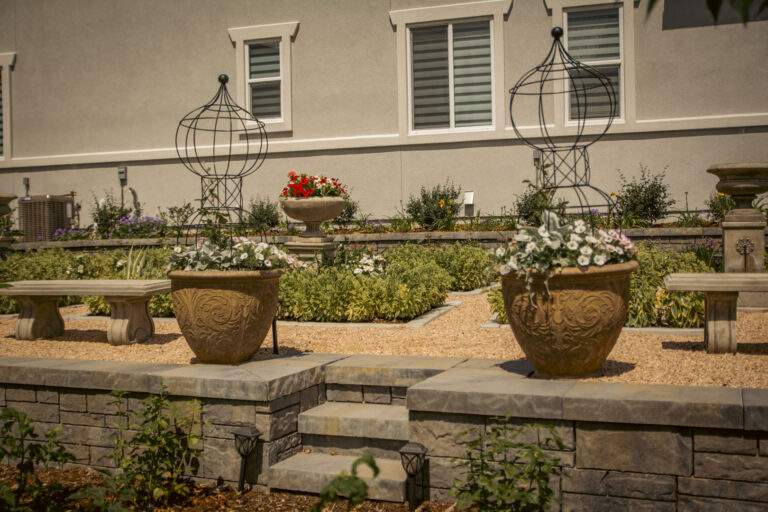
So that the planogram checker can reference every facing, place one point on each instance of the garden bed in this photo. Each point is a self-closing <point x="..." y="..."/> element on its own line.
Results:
<point x="638" y="357"/>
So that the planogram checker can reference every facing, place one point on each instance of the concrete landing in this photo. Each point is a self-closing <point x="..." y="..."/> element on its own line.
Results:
<point x="347" y="419"/>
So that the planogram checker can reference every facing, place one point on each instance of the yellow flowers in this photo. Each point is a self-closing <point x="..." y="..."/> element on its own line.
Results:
<point x="441" y="203"/>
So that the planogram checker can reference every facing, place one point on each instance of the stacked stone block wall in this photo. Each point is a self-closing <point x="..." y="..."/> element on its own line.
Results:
<point x="614" y="466"/>
<point x="89" y="424"/>
<point x="391" y="395"/>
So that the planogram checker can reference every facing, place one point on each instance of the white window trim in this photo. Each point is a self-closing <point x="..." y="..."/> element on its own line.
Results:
<point x="284" y="33"/>
<point x="7" y="61"/>
<point x="627" y="90"/>
<point x="494" y="10"/>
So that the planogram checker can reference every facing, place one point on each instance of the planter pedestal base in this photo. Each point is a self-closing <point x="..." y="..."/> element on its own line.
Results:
<point x="312" y="248"/>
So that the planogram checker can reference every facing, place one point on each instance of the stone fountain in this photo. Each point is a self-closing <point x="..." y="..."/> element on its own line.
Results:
<point x="744" y="226"/>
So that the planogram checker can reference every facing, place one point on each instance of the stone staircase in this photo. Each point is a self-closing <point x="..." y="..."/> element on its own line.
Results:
<point x="365" y="411"/>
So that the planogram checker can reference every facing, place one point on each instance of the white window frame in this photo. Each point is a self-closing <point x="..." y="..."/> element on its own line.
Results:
<point x="242" y="37"/>
<point x="597" y="63"/>
<point x="627" y="96"/>
<point x="451" y="85"/>
<point x="7" y="61"/>
<point x="405" y="19"/>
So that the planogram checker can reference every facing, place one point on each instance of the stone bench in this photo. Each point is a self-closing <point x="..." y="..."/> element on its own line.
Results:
<point x="721" y="293"/>
<point x="39" y="315"/>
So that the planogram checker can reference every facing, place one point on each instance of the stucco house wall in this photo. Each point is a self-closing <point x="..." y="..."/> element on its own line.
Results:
<point x="97" y="84"/>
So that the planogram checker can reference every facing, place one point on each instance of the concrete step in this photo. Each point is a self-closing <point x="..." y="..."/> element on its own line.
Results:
<point x="394" y="371"/>
<point x="310" y="472"/>
<point x="348" y="419"/>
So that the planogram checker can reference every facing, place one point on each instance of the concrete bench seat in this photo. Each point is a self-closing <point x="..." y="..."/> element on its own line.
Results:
<point x="721" y="294"/>
<point x="130" y="321"/>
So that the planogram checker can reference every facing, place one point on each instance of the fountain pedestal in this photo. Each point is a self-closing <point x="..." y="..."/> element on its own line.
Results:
<point x="744" y="226"/>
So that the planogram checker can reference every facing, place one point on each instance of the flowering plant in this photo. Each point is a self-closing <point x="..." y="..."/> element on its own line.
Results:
<point x="145" y="226"/>
<point x="244" y="254"/>
<point x="304" y="185"/>
<point x="550" y="248"/>
<point x="370" y="264"/>
<point x="73" y="234"/>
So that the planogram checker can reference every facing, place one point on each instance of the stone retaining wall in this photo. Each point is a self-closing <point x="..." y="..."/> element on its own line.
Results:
<point x="626" y="446"/>
<point x="672" y="238"/>
<point x="76" y="397"/>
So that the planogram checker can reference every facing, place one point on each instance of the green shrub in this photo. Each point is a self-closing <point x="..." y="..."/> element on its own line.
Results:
<point x="264" y="215"/>
<point x="38" y="265"/>
<point x="155" y="454"/>
<point x="435" y="208"/>
<point x="496" y="301"/>
<point x="348" y="214"/>
<point x="22" y="447"/>
<point x="719" y="205"/>
<point x="644" y="200"/>
<point x="529" y="205"/>
<point x="509" y="469"/>
<point x="650" y="304"/>
<point x="469" y="266"/>
<point x="106" y="213"/>
<point x="336" y="294"/>
<point x="177" y="218"/>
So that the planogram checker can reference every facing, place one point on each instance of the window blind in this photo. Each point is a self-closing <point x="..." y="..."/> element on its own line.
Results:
<point x="472" y="73"/>
<point x="594" y="37"/>
<point x="429" y="68"/>
<point x="264" y="60"/>
<point x="594" y="102"/>
<point x="264" y="79"/>
<point x="594" y="34"/>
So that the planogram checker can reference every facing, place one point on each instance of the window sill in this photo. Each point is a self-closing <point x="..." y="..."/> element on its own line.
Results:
<point x="272" y="126"/>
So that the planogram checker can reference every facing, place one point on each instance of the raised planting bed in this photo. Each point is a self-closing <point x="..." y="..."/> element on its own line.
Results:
<point x="623" y="446"/>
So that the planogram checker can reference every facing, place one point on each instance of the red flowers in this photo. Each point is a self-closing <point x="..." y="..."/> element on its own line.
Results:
<point x="303" y="186"/>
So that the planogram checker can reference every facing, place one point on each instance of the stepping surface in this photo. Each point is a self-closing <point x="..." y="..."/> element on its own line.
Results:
<point x="310" y="472"/>
<point x="399" y="371"/>
<point x="356" y="420"/>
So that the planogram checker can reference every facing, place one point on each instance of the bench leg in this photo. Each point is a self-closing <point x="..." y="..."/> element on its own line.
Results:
<point x="130" y="322"/>
<point x="720" y="328"/>
<point x="39" y="318"/>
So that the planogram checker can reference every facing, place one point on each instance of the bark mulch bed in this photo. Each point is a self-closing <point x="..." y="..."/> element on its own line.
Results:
<point x="211" y="499"/>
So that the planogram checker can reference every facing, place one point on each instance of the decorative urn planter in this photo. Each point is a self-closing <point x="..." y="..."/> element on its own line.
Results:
<point x="224" y="315"/>
<point x="570" y="332"/>
<point x="312" y="211"/>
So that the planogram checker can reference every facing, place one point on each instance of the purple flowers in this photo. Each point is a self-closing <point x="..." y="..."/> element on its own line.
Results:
<point x="72" y="234"/>
<point x="145" y="226"/>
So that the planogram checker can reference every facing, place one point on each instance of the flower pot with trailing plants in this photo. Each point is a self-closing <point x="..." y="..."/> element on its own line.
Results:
<point x="565" y="290"/>
<point x="313" y="200"/>
<point x="225" y="296"/>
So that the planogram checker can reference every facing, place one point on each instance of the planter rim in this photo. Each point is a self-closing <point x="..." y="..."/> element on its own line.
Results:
<point x="316" y="198"/>
<point x="227" y="274"/>
<point x="592" y="270"/>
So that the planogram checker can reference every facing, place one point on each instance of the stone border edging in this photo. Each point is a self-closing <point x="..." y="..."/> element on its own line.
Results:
<point x="479" y="387"/>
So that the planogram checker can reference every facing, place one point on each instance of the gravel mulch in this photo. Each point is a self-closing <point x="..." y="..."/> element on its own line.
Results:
<point x="637" y="357"/>
<point x="208" y="498"/>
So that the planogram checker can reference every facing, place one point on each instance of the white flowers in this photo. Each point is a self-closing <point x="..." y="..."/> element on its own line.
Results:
<point x="242" y="254"/>
<point x="552" y="246"/>
<point x="370" y="264"/>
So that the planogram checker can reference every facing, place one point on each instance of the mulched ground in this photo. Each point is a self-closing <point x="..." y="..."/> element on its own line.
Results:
<point x="637" y="357"/>
<point x="212" y="499"/>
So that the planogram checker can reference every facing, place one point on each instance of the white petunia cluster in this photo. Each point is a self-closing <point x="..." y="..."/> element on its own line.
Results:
<point x="370" y="264"/>
<point x="553" y="246"/>
<point x="242" y="254"/>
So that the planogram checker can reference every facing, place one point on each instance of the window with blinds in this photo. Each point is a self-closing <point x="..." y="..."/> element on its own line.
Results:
<point x="264" y="79"/>
<point x="594" y="38"/>
<point x="451" y="75"/>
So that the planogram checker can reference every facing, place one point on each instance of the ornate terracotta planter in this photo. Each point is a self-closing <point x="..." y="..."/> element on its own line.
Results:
<point x="571" y="333"/>
<point x="224" y="315"/>
<point x="313" y="211"/>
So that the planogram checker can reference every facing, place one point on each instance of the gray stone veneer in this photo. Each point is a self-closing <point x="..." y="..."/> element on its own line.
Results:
<point x="625" y="446"/>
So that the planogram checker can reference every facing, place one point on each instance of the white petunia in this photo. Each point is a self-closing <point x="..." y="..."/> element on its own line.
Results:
<point x="575" y="238"/>
<point x="600" y="259"/>
<point x="553" y="244"/>
<point x="572" y="245"/>
<point x="531" y="247"/>
<point x="590" y="239"/>
<point x="505" y="269"/>
<point x="583" y="260"/>
<point x="586" y="250"/>
<point x="579" y="228"/>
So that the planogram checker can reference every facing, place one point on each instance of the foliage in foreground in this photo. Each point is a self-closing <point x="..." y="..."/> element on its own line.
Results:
<point x="509" y="468"/>
<point x="22" y="447"/>
<point x="643" y="200"/>
<point x="650" y="304"/>
<point x="154" y="462"/>
<point x="348" y="485"/>
<point x="469" y="266"/>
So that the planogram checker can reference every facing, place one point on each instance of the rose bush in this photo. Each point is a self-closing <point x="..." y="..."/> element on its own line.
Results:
<point x="304" y="185"/>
